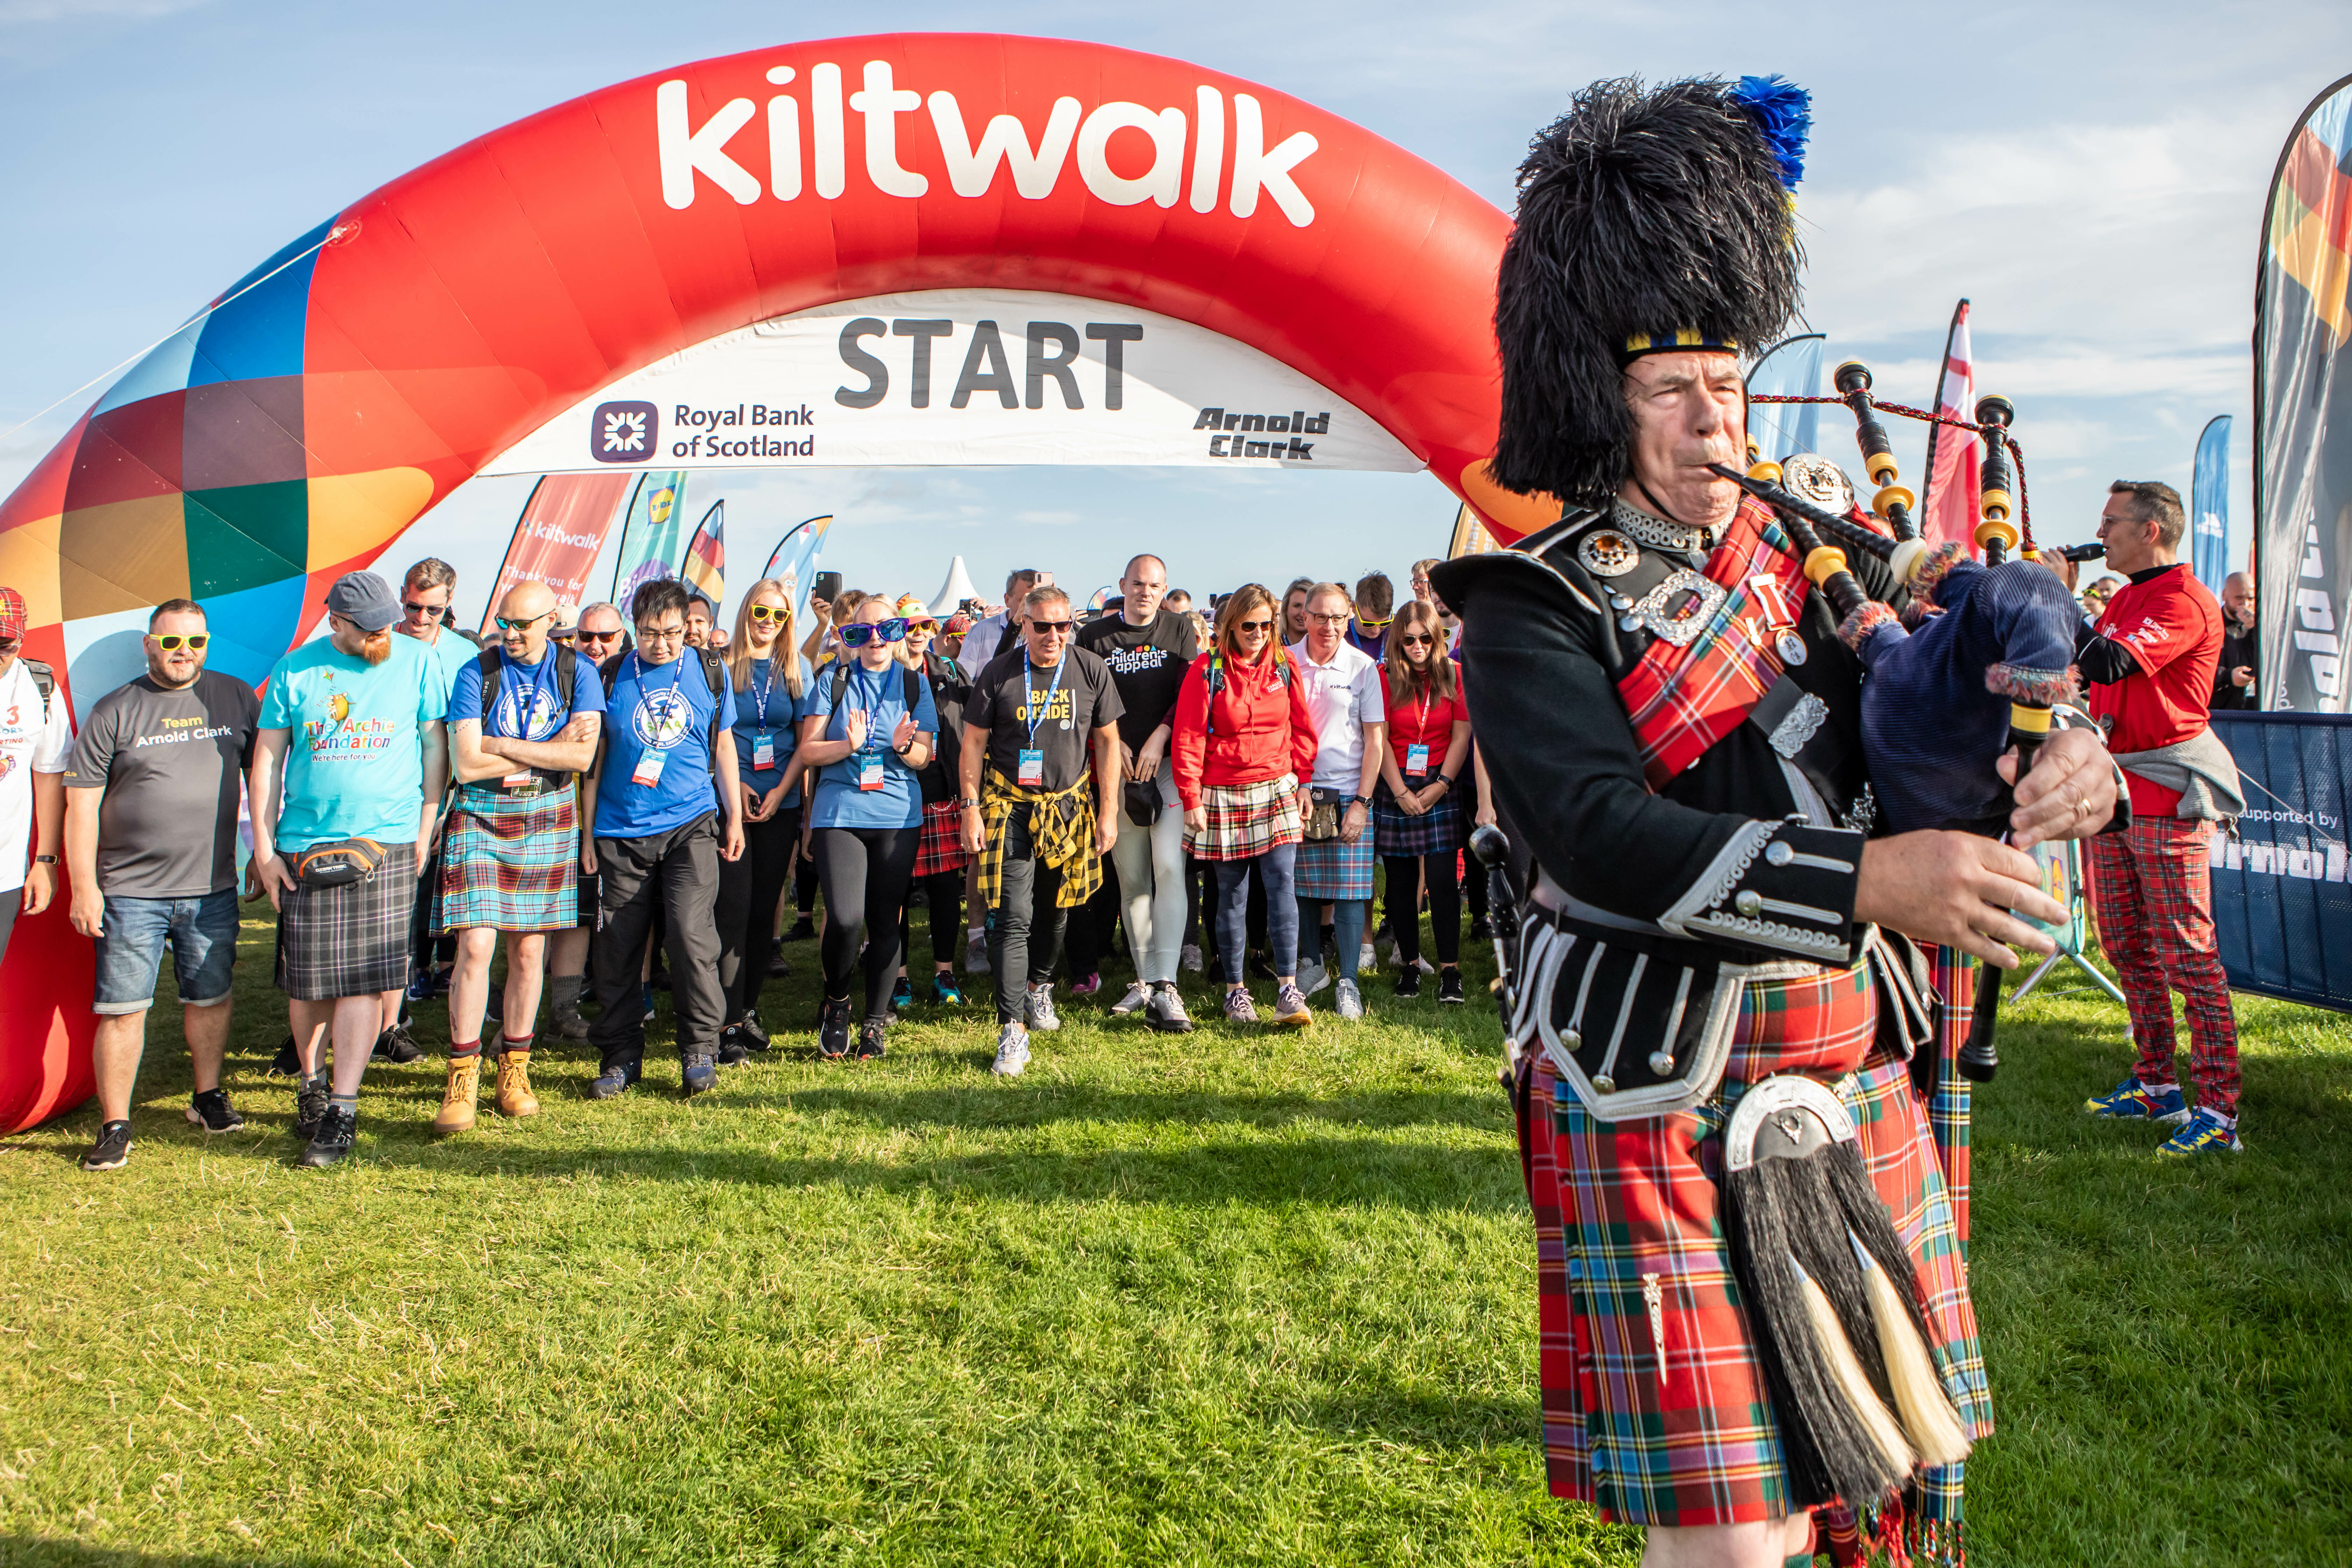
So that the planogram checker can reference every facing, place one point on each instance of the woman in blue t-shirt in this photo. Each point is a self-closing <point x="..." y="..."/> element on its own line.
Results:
<point x="770" y="682"/>
<point x="866" y="736"/>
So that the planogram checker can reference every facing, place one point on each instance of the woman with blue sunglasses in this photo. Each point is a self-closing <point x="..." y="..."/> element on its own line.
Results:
<point x="867" y="737"/>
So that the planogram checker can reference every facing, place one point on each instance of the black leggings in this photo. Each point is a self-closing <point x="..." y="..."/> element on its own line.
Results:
<point x="1405" y="877"/>
<point x="942" y="892"/>
<point x="864" y="868"/>
<point x="749" y="891"/>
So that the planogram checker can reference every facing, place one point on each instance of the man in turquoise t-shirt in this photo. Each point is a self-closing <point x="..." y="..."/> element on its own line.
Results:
<point x="350" y="749"/>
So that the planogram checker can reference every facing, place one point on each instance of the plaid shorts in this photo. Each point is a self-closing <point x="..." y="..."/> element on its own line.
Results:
<point x="941" y="847"/>
<point x="1435" y="832"/>
<point x="350" y="941"/>
<point x="1247" y="820"/>
<point x="1334" y="868"/>
<point x="1624" y="1207"/>
<point x="2152" y="888"/>
<point x="510" y="864"/>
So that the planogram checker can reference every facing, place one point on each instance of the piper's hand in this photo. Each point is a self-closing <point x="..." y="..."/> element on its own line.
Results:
<point x="2069" y="794"/>
<point x="1485" y="816"/>
<point x="88" y="914"/>
<point x="903" y="733"/>
<point x="1955" y="889"/>
<point x="1196" y="820"/>
<point x="852" y="729"/>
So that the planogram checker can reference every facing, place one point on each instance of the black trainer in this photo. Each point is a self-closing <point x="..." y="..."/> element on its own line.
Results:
<point x="755" y="1033"/>
<point x="870" y="1048"/>
<point x="1449" y="985"/>
<point x="615" y="1082"/>
<point x="212" y="1112"/>
<point x="1482" y="930"/>
<point x="310" y="1105"/>
<point x="337" y="1130"/>
<point x="832" y="1030"/>
<point x="1408" y="981"/>
<point x="112" y="1148"/>
<point x="779" y="967"/>
<point x="697" y="1073"/>
<point x="803" y="930"/>
<point x="733" y="1049"/>
<point x="288" y="1062"/>
<point x="395" y="1046"/>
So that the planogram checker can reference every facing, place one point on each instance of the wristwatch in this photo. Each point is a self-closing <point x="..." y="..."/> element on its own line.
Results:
<point x="1362" y="800"/>
<point x="902" y="750"/>
<point x="970" y="800"/>
<point x="45" y="860"/>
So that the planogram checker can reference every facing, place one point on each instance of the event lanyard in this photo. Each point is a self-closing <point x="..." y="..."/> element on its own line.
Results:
<point x="873" y="702"/>
<point x="1038" y="712"/>
<point x="527" y="704"/>
<point x="760" y="690"/>
<point x="678" y="675"/>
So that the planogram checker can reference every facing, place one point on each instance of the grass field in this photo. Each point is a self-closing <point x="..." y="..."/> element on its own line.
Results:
<point x="1233" y="1297"/>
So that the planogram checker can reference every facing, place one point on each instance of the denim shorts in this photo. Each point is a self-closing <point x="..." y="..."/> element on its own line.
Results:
<point x="203" y="934"/>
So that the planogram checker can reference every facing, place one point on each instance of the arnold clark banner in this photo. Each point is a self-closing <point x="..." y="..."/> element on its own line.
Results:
<point x="963" y="377"/>
<point x="2282" y="900"/>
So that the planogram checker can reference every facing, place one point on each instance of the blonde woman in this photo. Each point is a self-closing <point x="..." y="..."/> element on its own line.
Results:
<point x="771" y="684"/>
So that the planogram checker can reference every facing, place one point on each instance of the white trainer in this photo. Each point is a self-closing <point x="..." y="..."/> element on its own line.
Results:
<point x="1350" y="1003"/>
<point x="1012" y="1051"/>
<point x="1137" y="995"/>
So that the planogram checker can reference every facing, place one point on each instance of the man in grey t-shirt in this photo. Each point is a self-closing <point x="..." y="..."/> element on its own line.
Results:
<point x="151" y="799"/>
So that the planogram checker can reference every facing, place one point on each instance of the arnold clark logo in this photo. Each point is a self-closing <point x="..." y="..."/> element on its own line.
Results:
<point x="623" y="432"/>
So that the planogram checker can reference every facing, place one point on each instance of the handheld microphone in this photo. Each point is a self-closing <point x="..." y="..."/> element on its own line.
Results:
<point x="2080" y="553"/>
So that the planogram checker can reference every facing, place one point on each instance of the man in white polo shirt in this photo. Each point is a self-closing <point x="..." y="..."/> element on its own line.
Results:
<point x="1344" y="690"/>
<point x="35" y="740"/>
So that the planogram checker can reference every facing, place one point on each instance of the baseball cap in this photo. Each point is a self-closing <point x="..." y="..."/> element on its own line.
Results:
<point x="365" y="600"/>
<point x="11" y="613"/>
<point x="911" y="608"/>
<point x="958" y="625"/>
<point x="567" y="620"/>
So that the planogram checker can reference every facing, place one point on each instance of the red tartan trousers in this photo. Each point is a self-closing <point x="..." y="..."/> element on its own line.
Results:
<point x="2152" y="890"/>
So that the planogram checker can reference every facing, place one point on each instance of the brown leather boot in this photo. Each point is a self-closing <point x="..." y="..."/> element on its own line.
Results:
<point x="515" y="1097"/>
<point x="457" y="1100"/>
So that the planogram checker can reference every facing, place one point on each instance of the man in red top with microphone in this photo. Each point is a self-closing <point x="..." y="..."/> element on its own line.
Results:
<point x="2149" y="662"/>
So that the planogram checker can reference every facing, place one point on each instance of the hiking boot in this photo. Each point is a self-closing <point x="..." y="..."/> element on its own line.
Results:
<point x="1165" y="1011"/>
<point x="457" y="1100"/>
<point x="1349" y="1002"/>
<point x="310" y="1106"/>
<point x="288" y="1062"/>
<point x="697" y="1073"/>
<point x="1407" y="982"/>
<point x="1012" y="1051"/>
<point x="212" y="1112"/>
<point x="566" y="1023"/>
<point x="111" y="1150"/>
<point x="803" y="930"/>
<point x="2133" y="1103"/>
<point x="2203" y="1134"/>
<point x="733" y="1049"/>
<point x="1290" y="1008"/>
<point x="1449" y="985"/>
<point x="870" y="1048"/>
<point x="1038" y="1007"/>
<point x="338" y="1130"/>
<point x="515" y="1097"/>
<point x="615" y="1079"/>
<point x="1138" y="996"/>
<point x="1239" y="1008"/>
<point x="945" y="990"/>
<point x="833" y="1029"/>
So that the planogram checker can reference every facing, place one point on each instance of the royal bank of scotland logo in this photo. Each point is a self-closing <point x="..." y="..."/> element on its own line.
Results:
<point x="623" y="432"/>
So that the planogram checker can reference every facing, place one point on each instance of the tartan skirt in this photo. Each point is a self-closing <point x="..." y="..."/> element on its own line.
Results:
<point x="941" y="847"/>
<point x="1628" y="1207"/>
<point x="350" y="941"/>
<point x="1437" y="831"/>
<point x="1334" y="869"/>
<point x="1247" y="820"/>
<point x="510" y="864"/>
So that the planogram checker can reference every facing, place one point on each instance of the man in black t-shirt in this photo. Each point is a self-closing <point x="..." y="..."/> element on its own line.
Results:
<point x="1148" y="649"/>
<point x="1040" y="717"/>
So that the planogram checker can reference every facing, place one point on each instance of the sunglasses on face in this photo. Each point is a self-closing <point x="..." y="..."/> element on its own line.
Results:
<point x="1417" y="639"/>
<point x="1374" y="626"/>
<point x="1058" y="628"/>
<point x="1260" y="626"/>
<point x="857" y="634"/>
<point x="416" y="609"/>
<point x="195" y="642"/>
<point x="766" y="613"/>
<point x="10" y="644"/>
<point x="612" y="635"/>
<point x="524" y="624"/>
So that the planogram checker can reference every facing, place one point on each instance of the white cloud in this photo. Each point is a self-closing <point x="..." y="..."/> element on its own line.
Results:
<point x="19" y="13"/>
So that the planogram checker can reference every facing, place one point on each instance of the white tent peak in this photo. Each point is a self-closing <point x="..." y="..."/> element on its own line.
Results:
<point x="954" y="591"/>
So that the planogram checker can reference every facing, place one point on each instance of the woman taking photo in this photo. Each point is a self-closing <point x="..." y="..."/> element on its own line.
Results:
<point x="940" y="858"/>
<point x="1245" y="745"/>
<point x="770" y="683"/>
<point x="866" y="735"/>
<point x="1416" y="820"/>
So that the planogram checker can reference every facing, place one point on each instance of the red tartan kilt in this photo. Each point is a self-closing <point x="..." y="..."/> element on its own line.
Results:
<point x="940" y="849"/>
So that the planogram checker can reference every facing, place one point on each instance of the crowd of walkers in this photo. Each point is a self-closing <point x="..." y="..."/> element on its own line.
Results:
<point x="632" y="801"/>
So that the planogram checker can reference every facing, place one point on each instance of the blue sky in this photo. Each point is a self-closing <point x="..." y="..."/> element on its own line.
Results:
<point x="2092" y="176"/>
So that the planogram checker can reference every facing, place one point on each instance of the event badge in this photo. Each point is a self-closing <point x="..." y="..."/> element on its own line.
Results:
<point x="1033" y="767"/>
<point x="763" y="753"/>
<point x="869" y="771"/>
<point x="518" y="780"/>
<point x="1416" y="759"/>
<point x="649" y="767"/>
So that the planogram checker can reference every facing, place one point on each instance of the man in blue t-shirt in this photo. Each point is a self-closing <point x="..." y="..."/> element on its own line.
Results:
<point x="510" y="855"/>
<point x="346" y="791"/>
<point x="662" y="825"/>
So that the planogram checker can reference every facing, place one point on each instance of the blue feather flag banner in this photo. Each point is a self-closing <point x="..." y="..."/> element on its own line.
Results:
<point x="1790" y="368"/>
<point x="1783" y="111"/>
<point x="2208" y="505"/>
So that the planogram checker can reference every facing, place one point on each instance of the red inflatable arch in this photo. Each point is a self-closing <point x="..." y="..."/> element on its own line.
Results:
<point x="361" y="374"/>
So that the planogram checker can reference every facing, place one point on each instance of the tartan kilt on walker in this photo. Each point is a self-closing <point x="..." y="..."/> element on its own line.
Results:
<point x="1334" y="869"/>
<point x="1619" y="1206"/>
<point x="510" y="863"/>
<point x="1435" y="832"/>
<point x="941" y="847"/>
<point x="1247" y="820"/>
<point x="350" y="941"/>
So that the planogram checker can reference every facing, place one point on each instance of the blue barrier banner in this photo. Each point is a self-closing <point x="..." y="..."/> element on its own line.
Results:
<point x="2281" y="901"/>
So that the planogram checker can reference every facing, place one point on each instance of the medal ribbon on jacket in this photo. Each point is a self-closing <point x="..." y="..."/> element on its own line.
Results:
<point x="1684" y="698"/>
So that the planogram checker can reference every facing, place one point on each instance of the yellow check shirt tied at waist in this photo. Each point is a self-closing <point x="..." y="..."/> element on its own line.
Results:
<point x="1061" y="834"/>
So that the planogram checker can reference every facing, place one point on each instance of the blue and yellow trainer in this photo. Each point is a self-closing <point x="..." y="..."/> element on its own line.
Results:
<point x="2205" y="1134"/>
<point x="2132" y="1102"/>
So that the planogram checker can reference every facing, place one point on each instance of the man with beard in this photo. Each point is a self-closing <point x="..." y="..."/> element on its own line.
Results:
<point x="2234" y="679"/>
<point x="346" y="795"/>
<point x="150" y="837"/>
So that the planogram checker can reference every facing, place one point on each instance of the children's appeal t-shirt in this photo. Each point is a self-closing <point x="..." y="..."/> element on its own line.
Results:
<point x="656" y="774"/>
<point x="841" y="798"/>
<point x="1146" y="663"/>
<point x="355" y="755"/>
<point x="766" y="710"/>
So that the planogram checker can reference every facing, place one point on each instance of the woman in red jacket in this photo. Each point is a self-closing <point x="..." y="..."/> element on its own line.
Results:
<point x="1244" y="743"/>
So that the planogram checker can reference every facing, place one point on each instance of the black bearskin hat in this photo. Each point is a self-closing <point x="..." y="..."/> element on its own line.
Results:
<point x="1650" y="218"/>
